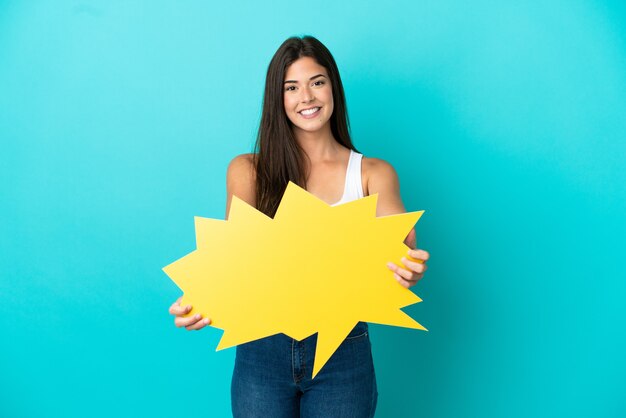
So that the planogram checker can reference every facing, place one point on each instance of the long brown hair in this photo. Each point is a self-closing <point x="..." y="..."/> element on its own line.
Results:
<point x="278" y="157"/>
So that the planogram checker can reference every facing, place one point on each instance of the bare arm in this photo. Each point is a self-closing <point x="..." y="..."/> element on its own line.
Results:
<point x="239" y="182"/>
<point x="383" y="179"/>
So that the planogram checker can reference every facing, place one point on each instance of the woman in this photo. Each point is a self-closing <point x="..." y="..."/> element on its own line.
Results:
<point x="304" y="138"/>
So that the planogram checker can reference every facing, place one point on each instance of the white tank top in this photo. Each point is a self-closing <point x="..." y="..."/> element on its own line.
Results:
<point x="353" y="187"/>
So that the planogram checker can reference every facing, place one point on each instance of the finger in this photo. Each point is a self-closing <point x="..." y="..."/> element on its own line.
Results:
<point x="408" y="283"/>
<point x="177" y="303"/>
<point x="402" y="281"/>
<point x="415" y="266"/>
<point x="176" y="309"/>
<point x="199" y="325"/>
<point x="394" y="267"/>
<point x="405" y="274"/>
<point x="419" y="254"/>
<point x="409" y="277"/>
<point x="417" y="278"/>
<point x="181" y="321"/>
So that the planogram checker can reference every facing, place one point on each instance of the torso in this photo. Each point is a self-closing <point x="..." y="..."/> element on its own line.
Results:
<point x="326" y="181"/>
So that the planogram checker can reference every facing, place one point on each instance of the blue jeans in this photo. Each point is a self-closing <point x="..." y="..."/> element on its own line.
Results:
<point x="272" y="379"/>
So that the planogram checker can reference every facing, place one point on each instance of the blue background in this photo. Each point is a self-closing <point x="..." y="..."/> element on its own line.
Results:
<point x="506" y="123"/>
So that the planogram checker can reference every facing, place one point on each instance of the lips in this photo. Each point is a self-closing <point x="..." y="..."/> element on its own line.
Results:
<point x="310" y="112"/>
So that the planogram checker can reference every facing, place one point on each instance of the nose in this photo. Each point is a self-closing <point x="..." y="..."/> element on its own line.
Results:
<point x="307" y="95"/>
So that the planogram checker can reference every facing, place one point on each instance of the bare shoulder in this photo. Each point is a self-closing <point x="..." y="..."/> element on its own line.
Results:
<point x="241" y="179"/>
<point x="242" y="164"/>
<point x="379" y="175"/>
<point x="381" y="179"/>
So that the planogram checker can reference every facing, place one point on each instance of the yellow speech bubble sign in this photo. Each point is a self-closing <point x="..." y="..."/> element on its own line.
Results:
<point x="312" y="268"/>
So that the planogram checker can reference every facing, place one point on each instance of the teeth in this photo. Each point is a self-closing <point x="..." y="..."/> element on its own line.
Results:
<point x="308" y="112"/>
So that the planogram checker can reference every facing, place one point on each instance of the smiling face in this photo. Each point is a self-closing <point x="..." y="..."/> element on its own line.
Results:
<point x="308" y="95"/>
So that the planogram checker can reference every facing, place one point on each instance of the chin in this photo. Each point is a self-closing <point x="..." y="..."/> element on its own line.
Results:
<point x="311" y="129"/>
<point x="312" y="126"/>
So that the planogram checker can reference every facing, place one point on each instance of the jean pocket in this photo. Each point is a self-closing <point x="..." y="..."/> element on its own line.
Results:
<point x="358" y="332"/>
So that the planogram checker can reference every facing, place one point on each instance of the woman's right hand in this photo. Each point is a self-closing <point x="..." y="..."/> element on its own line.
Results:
<point x="191" y="323"/>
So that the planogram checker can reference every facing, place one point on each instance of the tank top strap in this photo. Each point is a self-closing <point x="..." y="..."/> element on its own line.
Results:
<point x="354" y="185"/>
<point x="353" y="188"/>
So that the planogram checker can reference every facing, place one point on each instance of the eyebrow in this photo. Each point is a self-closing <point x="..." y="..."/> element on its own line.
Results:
<point x="312" y="78"/>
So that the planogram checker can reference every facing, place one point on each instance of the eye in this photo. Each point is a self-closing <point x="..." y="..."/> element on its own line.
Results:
<point x="319" y="83"/>
<point x="290" y="88"/>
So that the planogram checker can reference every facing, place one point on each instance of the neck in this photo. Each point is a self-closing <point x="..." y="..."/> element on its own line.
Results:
<point x="318" y="146"/>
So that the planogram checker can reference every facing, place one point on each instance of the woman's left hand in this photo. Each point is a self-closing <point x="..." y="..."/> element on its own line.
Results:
<point x="414" y="269"/>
